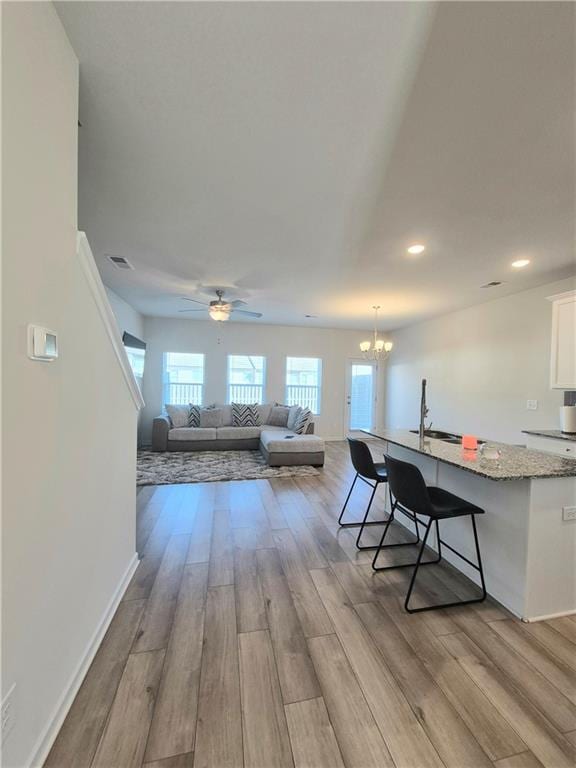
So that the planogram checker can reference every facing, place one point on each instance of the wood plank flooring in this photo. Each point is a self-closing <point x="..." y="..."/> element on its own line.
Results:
<point x="255" y="635"/>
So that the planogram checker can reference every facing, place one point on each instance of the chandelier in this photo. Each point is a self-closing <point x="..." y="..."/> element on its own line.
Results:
<point x="377" y="349"/>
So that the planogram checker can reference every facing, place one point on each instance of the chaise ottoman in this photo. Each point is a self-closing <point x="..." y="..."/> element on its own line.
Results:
<point x="283" y="448"/>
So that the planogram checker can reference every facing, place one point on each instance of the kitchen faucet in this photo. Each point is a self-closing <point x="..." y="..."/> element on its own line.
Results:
<point x="423" y="411"/>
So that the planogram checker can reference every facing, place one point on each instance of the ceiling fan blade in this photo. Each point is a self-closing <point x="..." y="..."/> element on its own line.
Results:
<point x="237" y="303"/>
<point x="245" y="312"/>
<point x="185" y="298"/>
<point x="191" y="310"/>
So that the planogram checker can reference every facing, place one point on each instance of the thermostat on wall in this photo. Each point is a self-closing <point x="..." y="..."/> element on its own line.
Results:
<point x="42" y="343"/>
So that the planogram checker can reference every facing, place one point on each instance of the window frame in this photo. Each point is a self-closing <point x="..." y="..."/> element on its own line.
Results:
<point x="264" y="377"/>
<point x="318" y="386"/>
<point x="166" y="383"/>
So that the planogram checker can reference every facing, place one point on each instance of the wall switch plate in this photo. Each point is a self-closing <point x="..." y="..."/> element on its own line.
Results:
<point x="531" y="405"/>
<point x="8" y="713"/>
<point x="568" y="513"/>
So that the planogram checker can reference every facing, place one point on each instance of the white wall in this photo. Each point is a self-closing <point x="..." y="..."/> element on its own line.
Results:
<point x="275" y="342"/>
<point x="482" y="364"/>
<point x="127" y="317"/>
<point x="68" y="450"/>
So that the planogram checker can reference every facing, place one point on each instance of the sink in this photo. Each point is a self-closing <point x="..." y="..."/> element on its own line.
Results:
<point x="437" y="434"/>
<point x="446" y="437"/>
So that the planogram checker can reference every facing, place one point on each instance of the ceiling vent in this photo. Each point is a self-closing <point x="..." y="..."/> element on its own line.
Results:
<point x="120" y="262"/>
<point x="493" y="284"/>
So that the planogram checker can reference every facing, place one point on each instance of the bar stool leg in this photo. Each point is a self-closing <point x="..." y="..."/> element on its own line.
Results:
<point x="346" y="525"/>
<point x="365" y="521"/>
<point x="361" y="531"/>
<point x="480" y="569"/>
<point x="418" y="563"/>
<point x="416" y="566"/>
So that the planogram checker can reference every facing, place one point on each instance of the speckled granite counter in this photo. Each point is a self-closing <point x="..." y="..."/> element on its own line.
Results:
<point x="555" y="433"/>
<point x="515" y="463"/>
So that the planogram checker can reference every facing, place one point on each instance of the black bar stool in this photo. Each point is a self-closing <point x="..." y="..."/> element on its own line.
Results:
<point x="411" y="494"/>
<point x="371" y="473"/>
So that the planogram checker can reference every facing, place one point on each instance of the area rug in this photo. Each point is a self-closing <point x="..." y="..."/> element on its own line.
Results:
<point x="167" y="468"/>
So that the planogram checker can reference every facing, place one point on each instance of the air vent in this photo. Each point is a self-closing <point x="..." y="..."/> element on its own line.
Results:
<point x="493" y="284"/>
<point x="120" y="262"/>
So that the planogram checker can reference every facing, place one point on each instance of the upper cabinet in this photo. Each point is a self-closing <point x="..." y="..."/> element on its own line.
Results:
<point x="563" y="355"/>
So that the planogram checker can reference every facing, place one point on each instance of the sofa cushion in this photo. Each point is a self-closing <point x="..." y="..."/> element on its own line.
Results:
<point x="278" y="416"/>
<point x="288" y="442"/>
<point x="237" y="433"/>
<point x="178" y="414"/>
<point x="192" y="434"/>
<point x="245" y="415"/>
<point x="210" y="417"/>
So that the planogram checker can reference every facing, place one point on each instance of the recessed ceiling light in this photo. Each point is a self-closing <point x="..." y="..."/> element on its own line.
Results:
<point x="416" y="249"/>
<point x="519" y="263"/>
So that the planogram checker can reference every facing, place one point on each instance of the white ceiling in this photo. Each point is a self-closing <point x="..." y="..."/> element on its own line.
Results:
<point x="294" y="150"/>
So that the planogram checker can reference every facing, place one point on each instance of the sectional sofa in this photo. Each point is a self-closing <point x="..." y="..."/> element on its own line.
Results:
<point x="279" y="444"/>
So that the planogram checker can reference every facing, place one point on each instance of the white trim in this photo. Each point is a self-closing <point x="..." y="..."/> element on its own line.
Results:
<point x="563" y="295"/>
<point x="108" y="318"/>
<point x="548" y="616"/>
<point x="48" y="735"/>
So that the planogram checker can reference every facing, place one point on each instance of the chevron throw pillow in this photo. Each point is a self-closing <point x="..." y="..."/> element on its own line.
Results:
<point x="302" y="420"/>
<point x="245" y="415"/>
<point x="194" y="416"/>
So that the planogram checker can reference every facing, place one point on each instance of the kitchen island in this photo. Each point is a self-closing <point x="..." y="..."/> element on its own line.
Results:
<point x="528" y="547"/>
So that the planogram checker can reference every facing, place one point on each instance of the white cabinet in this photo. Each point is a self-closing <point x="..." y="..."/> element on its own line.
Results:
<point x="563" y="353"/>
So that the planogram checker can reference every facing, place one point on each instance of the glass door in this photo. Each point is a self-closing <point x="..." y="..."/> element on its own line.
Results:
<point x="361" y="395"/>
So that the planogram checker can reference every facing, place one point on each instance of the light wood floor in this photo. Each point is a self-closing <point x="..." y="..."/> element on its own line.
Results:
<point x="254" y="634"/>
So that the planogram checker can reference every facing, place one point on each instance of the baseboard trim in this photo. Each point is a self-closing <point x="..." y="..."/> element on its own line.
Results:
<point x="48" y="735"/>
<point x="548" y="616"/>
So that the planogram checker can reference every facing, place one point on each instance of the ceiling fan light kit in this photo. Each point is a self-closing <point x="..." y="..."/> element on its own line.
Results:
<point x="377" y="349"/>
<point x="220" y="310"/>
<point x="220" y="314"/>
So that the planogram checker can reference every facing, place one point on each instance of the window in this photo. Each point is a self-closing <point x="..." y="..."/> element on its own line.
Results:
<point x="304" y="382"/>
<point x="183" y="378"/>
<point x="246" y="377"/>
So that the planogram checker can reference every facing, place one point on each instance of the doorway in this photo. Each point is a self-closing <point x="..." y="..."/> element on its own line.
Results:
<point x="361" y="395"/>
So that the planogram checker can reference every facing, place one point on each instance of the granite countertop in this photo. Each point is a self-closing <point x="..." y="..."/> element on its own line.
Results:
<point x="551" y="433"/>
<point x="515" y="463"/>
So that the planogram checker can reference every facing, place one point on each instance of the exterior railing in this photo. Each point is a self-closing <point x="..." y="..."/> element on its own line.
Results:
<point x="305" y="395"/>
<point x="296" y="394"/>
<point x="181" y="394"/>
<point x="245" y="393"/>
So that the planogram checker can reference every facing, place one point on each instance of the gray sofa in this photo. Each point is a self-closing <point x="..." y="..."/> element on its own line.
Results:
<point x="280" y="446"/>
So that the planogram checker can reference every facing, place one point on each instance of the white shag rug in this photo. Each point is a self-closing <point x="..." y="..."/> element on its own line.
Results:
<point x="172" y="467"/>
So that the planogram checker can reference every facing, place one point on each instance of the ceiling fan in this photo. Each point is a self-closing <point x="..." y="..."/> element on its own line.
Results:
<point x="219" y="309"/>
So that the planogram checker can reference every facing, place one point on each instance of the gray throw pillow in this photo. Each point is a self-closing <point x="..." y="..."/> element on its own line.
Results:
<point x="293" y="415"/>
<point x="178" y="414"/>
<point x="210" y="417"/>
<point x="279" y="416"/>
